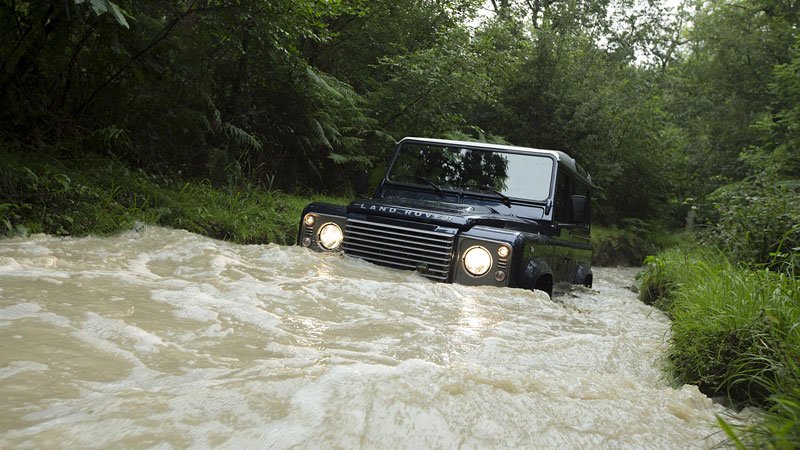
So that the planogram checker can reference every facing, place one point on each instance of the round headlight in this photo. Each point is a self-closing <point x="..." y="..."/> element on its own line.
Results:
<point x="477" y="261"/>
<point x="330" y="236"/>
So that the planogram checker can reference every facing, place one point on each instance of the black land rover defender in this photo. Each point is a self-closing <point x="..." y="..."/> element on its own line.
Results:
<point x="469" y="213"/>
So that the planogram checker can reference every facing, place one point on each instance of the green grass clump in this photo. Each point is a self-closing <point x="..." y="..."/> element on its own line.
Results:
<point x="101" y="196"/>
<point x="780" y="425"/>
<point x="735" y="333"/>
<point x="246" y="215"/>
<point x="672" y="270"/>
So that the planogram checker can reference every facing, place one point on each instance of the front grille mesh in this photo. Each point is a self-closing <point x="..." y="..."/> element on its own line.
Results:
<point x="400" y="247"/>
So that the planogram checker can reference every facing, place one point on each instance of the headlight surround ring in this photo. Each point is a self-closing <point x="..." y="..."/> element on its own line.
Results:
<point x="503" y="251"/>
<point x="330" y="236"/>
<point x="477" y="261"/>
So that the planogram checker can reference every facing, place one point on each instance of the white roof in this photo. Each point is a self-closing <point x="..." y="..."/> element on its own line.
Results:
<point x="555" y="153"/>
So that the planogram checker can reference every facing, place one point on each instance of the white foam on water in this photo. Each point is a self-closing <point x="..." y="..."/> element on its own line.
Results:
<point x="118" y="330"/>
<point x="19" y="367"/>
<point x="32" y="311"/>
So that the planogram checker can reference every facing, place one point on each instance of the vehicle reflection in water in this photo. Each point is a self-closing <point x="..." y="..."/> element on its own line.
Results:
<point x="165" y="338"/>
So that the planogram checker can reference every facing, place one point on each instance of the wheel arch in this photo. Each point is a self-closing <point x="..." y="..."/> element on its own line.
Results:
<point x="537" y="275"/>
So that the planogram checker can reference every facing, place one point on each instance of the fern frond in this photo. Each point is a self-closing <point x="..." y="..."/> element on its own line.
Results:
<point x="319" y="133"/>
<point x="350" y="159"/>
<point x="318" y="80"/>
<point x="241" y="138"/>
<point x="350" y="142"/>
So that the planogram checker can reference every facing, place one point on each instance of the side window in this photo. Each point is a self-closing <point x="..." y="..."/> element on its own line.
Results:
<point x="565" y="188"/>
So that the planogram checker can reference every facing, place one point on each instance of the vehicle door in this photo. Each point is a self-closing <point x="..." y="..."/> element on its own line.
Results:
<point x="563" y="253"/>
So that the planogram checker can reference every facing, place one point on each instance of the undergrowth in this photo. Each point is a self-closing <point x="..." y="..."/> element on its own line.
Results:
<point x="101" y="196"/>
<point x="735" y="333"/>
<point x="630" y="244"/>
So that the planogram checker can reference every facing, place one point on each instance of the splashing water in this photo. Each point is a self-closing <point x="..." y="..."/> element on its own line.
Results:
<point x="163" y="338"/>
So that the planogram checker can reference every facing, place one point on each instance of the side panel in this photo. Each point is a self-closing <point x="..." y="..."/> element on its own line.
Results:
<point x="572" y="255"/>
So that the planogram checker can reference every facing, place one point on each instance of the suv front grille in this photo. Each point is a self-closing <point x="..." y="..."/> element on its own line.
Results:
<point x="400" y="247"/>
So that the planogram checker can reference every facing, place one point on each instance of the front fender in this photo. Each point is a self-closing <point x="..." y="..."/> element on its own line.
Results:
<point x="322" y="213"/>
<point x="533" y="270"/>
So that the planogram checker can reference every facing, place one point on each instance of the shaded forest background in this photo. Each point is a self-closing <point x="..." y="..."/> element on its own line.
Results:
<point x="670" y="109"/>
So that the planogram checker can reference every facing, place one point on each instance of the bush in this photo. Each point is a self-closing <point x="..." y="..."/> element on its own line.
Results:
<point x="758" y="222"/>
<point x="630" y="245"/>
<point x="780" y="426"/>
<point x="41" y="196"/>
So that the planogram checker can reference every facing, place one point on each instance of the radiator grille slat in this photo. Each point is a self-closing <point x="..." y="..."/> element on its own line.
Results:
<point x="398" y="254"/>
<point x="400" y="247"/>
<point x="398" y="238"/>
<point x="418" y="235"/>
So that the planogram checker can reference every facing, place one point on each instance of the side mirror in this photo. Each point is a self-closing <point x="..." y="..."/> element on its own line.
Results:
<point x="361" y="183"/>
<point x="579" y="203"/>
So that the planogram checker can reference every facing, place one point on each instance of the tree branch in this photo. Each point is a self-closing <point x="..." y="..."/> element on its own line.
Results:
<point x="72" y="61"/>
<point x="406" y="108"/>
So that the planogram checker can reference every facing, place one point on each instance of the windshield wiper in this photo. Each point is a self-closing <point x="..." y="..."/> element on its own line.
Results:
<point x="504" y="198"/>
<point x="430" y="183"/>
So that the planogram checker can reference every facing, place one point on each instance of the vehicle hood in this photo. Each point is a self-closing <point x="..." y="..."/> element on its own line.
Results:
<point x="458" y="215"/>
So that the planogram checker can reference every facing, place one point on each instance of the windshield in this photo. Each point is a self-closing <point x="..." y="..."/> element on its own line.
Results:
<point x="511" y="174"/>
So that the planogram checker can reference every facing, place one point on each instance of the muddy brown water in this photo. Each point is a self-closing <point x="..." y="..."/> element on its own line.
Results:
<point x="166" y="339"/>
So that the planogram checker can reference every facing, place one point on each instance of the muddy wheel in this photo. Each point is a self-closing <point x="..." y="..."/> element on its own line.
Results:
<point x="545" y="283"/>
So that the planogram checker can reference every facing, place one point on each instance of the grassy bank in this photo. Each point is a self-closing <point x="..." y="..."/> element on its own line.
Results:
<point x="102" y="196"/>
<point x="736" y="333"/>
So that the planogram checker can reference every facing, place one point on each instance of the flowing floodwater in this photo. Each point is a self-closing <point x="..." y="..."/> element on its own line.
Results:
<point x="163" y="338"/>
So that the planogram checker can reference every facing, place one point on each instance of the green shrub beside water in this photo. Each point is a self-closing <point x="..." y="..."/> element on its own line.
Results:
<point x="735" y="333"/>
<point x="757" y="222"/>
<point x="102" y="196"/>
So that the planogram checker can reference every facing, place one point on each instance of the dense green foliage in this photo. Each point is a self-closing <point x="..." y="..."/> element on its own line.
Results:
<point x="663" y="106"/>
<point x="206" y="89"/>
<point x="102" y="196"/>
<point x="758" y="221"/>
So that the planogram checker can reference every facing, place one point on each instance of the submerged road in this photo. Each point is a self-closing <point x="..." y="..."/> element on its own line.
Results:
<point x="166" y="339"/>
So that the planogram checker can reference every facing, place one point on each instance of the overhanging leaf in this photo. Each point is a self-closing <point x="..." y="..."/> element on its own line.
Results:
<point x="117" y="12"/>
<point x="103" y="6"/>
<point x="99" y="6"/>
